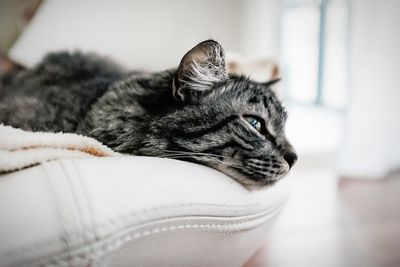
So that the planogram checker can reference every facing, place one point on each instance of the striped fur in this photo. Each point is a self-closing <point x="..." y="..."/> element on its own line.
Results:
<point x="195" y="113"/>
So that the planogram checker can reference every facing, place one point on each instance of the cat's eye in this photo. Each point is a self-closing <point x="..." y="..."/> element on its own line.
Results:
<point x="254" y="122"/>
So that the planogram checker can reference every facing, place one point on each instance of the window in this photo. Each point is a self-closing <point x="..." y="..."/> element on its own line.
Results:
<point x="314" y="43"/>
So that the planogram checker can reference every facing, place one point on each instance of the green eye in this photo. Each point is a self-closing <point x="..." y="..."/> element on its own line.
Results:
<point x="254" y="122"/>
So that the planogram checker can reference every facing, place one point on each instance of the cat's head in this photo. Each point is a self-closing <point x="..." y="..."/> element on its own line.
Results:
<point x="225" y="121"/>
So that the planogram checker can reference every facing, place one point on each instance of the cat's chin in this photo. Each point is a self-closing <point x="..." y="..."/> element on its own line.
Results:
<point x="247" y="181"/>
<point x="256" y="184"/>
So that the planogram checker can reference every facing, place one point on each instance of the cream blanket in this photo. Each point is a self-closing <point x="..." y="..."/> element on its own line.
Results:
<point x="20" y="149"/>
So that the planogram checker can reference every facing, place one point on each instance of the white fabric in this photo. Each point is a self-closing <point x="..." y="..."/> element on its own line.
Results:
<point x="19" y="149"/>
<point x="372" y="136"/>
<point x="131" y="211"/>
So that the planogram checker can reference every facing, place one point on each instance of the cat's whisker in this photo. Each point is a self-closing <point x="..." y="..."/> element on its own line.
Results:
<point x="189" y="155"/>
<point x="196" y="153"/>
<point x="230" y="164"/>
<point x="183" y="154"/>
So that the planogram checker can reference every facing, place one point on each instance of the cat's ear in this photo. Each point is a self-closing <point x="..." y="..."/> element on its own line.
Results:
<point x="272" y="82"/>
<point x="272" y="85"/>
<point x="200" y="69"/>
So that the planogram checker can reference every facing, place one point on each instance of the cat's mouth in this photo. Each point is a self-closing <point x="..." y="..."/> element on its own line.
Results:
<point x="253" y="178"/>
<point x="247" y="173"/>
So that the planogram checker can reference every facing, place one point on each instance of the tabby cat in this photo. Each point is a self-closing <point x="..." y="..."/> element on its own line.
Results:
<point x="196" y="112"/>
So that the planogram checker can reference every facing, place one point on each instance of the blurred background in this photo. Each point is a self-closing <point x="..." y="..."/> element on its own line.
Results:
<point x="339" y="61"/>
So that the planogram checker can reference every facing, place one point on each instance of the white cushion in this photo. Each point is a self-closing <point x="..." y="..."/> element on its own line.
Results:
<point x="132" y="211"/>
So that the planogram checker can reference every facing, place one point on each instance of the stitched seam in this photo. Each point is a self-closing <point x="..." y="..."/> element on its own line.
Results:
<point x="61" y="216"/>
<point x="120" y="241"/>
<point x="81" y="256"/>
<point x="75" y="201"/>
<point x="109" y="223"/>
<point x="92" y="233"/>
<point x="113" y="221"/>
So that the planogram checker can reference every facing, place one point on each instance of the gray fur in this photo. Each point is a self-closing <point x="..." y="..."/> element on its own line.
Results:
<point x="195" y="113"/>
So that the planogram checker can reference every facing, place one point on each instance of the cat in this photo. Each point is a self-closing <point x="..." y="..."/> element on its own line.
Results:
<point x="196" y="112"/>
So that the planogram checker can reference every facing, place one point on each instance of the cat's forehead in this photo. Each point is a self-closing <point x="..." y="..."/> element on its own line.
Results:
<point x="253" y="93"/>
<point x="242" y="86"/>
<point x="247" y="97"/>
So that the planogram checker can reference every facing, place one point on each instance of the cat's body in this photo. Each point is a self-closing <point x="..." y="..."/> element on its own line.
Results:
<point x="57" y="93"/>
<point x="195" y="113"/>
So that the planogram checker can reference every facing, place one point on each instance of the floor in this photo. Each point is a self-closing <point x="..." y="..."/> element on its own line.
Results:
<point x="335" y="222"/>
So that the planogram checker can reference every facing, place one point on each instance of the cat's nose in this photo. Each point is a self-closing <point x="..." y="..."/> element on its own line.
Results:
<point x="290" y="158"/>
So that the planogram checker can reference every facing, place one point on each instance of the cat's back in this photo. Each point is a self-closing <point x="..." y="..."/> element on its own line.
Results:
<point x="57" y="93"/>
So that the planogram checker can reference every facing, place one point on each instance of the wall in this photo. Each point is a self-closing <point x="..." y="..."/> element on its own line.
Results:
<point x="150" y="34"/>
<point x="372" y="136"/>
